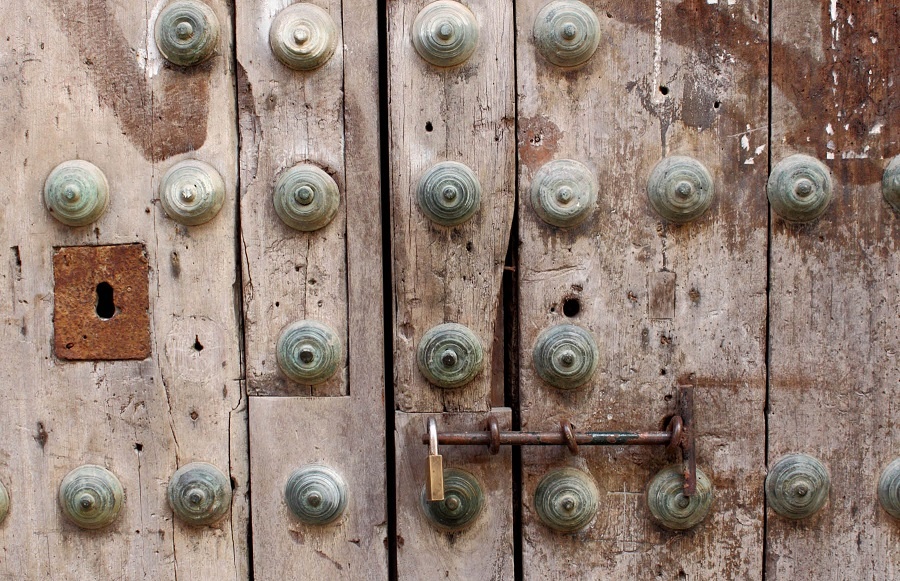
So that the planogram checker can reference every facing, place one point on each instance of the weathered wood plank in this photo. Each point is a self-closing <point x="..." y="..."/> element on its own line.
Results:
<point x="667" y="304"/>
<point x="835" y="319"/>
<point x="449" y="274"/>
<point x="83" y="79"/>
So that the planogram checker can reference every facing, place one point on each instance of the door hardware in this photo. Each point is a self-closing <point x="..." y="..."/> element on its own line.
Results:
<point x="434" y="483"/>
<point x="565" y="356"/>
<point x="308" y="352"/>
<point x="673" y="509"/>
<point x="889" y="488"/>
<point x="567" y="33"/>
<point x="449" y="193"/>
<point x="797" y="486"/>
<point x="445" y="33"/>
<point x="192" y="192"/>
<point x="199" y="494"/>
<point x="4" y="502"/>
<point x="890" y="183"/>
<point x="680" y="188"/>
<point x="187" y="32"/>
<point x="91" y="496"/>
<point x="303" y="37"/>
<point x="306" y="198"/>
<point x="800" y="188"/>
<point x="564" y="192"/>
<point x="450" y="355"/>
<point x="462" y="502"/>
<point x="76" y="193"/>
<point x="316" y="494"/>
<point x="566" y="499"/>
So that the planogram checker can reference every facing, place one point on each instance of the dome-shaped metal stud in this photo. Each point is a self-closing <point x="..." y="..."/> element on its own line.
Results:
<point x="889" y="489"/>
<point x="449" y="193"/>
<point x="4" y="502"/>
<point x="797" y="486"/>
<point x="450" y="355"/>
<point x="463" y="501"/>
<point x="567" y="33"/>
<point x="187" y="32"/>
<point x="890" y="183"/>
<point x="199" y="494"/>
<point x="565" y="356"/>
<point x="680" y="189"/>
<point x="192" y="192"/>
<point x="445" y="33"/>
<point x="563" y="193"/>
<point x="316" y="494"/>
<point x="566" y="499"/>
<point x="303" y="37"/>
<point x="800" y="188"/>
<point x="308" y="352"/>
<point x="76" y="193"/>
<point x="668" y="504"/>
<point x="91" y="496"/>
<point x="306" y="198"/>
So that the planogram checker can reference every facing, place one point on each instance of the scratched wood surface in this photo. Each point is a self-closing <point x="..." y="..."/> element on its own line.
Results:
<point x="83" y="79"/>
<point x="441" y="274"/>
<point x="667" y="304"/>
<point x="288" y="117"/>
<point x="835" y="318"/>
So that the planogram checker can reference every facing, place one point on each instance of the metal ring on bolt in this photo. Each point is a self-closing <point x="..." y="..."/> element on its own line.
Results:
<point x="494" y="429"/>
<point x="676" y="427"/>
<point x="569" y="435"/>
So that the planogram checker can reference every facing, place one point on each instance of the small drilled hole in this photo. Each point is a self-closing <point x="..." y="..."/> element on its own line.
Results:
<point x="138" y="446"/>
<point x="429" y="127"/>
<point x="198" y="346"/>
<point x="106" y="306"/>
<point x="717" y="104"/>
<point x="664" y="90"/>
<point x="571" y="307"/>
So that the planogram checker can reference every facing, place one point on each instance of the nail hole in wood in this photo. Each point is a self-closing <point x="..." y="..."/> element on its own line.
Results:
<point x="571" y="307"/>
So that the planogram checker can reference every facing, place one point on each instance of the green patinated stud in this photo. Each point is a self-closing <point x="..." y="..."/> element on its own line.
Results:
<point x="192" y="192"/>
<point x="199" y="494"/>
<point x="565" y="356"/>
<point x="450" y="355"/>
<point x="680" y="189"/>
<point x="76" y="193"/>
<point x="449" y="193"/>
<point x="4" y="502"/>
<point x="303" y="37"/>
<point x="800" y="188"/>
<point x="563" y="193"/>
<point x="308" y="352"/>
<point x="567" y="33"/>
<point x="306" y="198"/>
<point x="890" y="183"/>
<point x="316" y="494"/>
<point x="187" y="32"/>
<point x="91" y="496"/>
<point x="463" y="501"/>
<point x="889" y="489"/>
<point x="445" y="33"/>
<point x="566" y="499"/>
<point x="668" y="504"/>
<point x="797" y="486"/>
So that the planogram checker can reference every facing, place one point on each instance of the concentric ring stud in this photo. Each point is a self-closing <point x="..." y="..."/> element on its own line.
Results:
<point x="316" y="494"/>
<point x="308" y="352"/>
<point x="680" y="189"/>
<point x="567" y="33"/>
<point x="800" y="188"/>
<point x="192" y="192"/>
<point x="76" y="193"/>
<point x="450" y="355"/>
<point x="445" y="33"/>
<point x="91" y="496"/>
<point x="463" y="501"/>
<point x="306" y="198"/>
<point x="797" y="486"/>
<point x="187" y="32"/>
<point x="565" y="356"/>
<point x="889" y="489"/>
<point x="564" y="192"/>
<point x="668" y="504"/>
<point x="890" y="183"/>
<point x="199" y="494"/>
<point x="566" y="499"/>
<point x="4" y="502"/>
<point x="303" y="37"/>
<point x="449" y="193"/>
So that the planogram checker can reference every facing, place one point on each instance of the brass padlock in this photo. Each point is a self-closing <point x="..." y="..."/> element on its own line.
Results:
<point x="434" y="483"/>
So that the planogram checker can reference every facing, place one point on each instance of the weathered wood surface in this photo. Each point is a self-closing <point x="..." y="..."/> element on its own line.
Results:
<point x="289" y="117"/>
<point x="83" y="79"/>
<point x="482" y="551"/>
<point x="449" y="274"/>
<point x="835" y="319"/>
<point x="687" y="78"/>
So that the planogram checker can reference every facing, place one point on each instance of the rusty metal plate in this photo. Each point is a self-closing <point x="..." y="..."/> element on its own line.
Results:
<point x="102" y="303"/>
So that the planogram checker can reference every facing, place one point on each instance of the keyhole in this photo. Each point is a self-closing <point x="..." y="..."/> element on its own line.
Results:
<point x="106" y="306"/>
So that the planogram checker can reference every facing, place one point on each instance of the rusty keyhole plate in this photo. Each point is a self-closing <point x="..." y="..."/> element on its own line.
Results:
<point x="101" y="302"/>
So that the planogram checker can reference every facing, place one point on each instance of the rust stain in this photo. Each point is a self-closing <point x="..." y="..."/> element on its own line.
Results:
<point x="163" y="120"/>
<point x="538" y="142"/>
<point x="80" y="333"/>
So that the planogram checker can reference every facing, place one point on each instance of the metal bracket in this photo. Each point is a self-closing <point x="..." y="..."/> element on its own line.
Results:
<point x="679" y="435"/>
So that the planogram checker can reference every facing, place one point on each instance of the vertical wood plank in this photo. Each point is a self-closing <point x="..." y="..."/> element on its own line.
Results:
<point x="667" y="304"/>
<point x="835" y="321"/>
<point x="83" y="79"/>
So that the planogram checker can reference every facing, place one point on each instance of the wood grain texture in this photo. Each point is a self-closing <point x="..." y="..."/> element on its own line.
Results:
<point x="485" y="549"/>
<point x="835" y="317"/>
<point x="669" y="77"/>
<point x="82" y="79"/>
<point x="463" y="114"/>
<point x="288" y="117"/>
